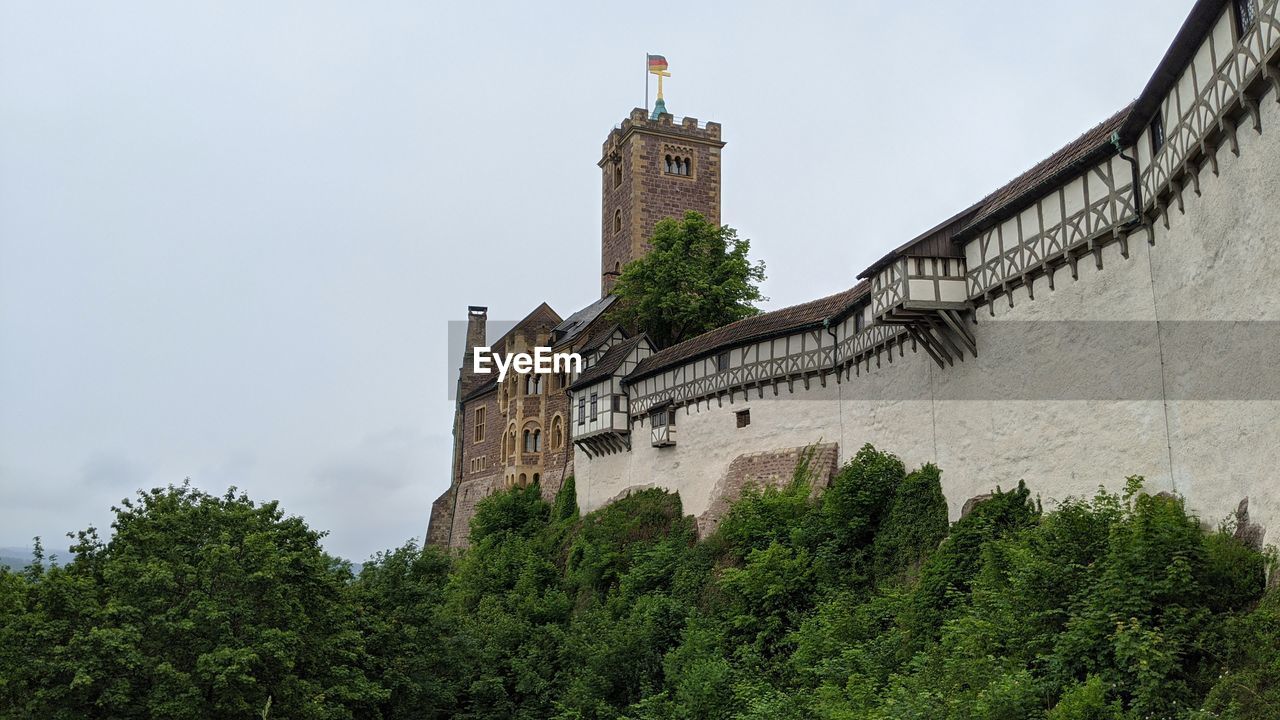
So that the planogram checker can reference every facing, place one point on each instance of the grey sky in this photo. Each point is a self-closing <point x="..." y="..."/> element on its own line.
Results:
<point x="231" y="234"/>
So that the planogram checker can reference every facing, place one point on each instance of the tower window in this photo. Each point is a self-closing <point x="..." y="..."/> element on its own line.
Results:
<point x="1157" y="133"/>
<point x="678" y="165"/>
<point x="1246" y="14"/>
<point x="617" y="220"/>
<point x="479" y="424"/>
<point x="617" y="175"/>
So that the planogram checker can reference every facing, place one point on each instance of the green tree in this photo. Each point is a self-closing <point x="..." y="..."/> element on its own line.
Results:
<point x="696" y="278"/>
<point x="198" y="607"/>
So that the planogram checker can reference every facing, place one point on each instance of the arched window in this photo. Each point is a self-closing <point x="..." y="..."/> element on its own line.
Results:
<point x="532" y="384"/>
<point x="557" y="433"/>
<point x="537" y="478"/>
<point x="524" y="480"/>
<point x="617" y="175"/>
<point x="671" y="168"/>
<point x="528" y="441"/>
<point x="617" y="220"/>
<point x="687" y="167"/>
<point x="537" y="441"/>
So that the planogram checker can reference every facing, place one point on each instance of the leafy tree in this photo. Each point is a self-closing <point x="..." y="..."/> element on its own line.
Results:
<point x="859" y="602"/>
<point x="198" y="607"/>
<point x="697" y="277"/>
<point x="398" y="598"/>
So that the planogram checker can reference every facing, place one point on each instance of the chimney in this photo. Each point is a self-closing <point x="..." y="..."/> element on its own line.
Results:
<point x="476" y="316"/>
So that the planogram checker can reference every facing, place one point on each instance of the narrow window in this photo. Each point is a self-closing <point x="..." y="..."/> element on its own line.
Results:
<point x="1246" y="14"/>
<point x="479" y="424"/>
<point x="528" y="441"/>
<point x="744" y="418"/>
<point x="722" y="362"/>
<point x="617" y="175"/>
<point x="617" y="403"/>
<point x="537" y="441"/>
<point x="1157" y="133"/>
<point x="594" y="406"/>
<point x="537" y="478"/>
<point x="671" y="168"/>
<point x="688" y="167"/>
<point x="582" y="411"/>
<point x="617" y="220"/>
<point x="557" y="433"/>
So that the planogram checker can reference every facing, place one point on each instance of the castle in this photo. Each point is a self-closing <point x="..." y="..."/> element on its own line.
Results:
<point x="1112" y="311"/>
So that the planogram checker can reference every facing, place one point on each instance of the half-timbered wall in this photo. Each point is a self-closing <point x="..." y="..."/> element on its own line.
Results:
<point x="1208" y="99"/>
<point x="1054" y="230"/>
<point x="1070" y="264"/>
<point x="605" y="418"/>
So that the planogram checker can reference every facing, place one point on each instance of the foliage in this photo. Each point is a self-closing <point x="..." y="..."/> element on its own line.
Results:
<point x="696" y="278"/>
<point x="857" y="602"/>
<point x="198" y="607"/>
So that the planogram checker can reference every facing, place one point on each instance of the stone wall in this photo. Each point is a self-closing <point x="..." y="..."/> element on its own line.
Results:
<point x="772" y="468"/>
<point x="647" y="193"/>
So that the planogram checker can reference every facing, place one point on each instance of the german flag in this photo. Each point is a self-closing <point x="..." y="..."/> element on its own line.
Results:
<point x="657" y="63"/>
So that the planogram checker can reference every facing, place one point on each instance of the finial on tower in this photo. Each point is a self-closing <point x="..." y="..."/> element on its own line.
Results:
<point x="658" y="66"/>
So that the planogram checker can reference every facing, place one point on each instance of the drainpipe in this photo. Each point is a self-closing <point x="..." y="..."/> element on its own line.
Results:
<point x="835" y="346"/>
<point x="1137" y="185"/>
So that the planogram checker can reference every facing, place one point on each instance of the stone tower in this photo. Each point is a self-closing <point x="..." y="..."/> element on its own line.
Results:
<point x="652" y="169"/>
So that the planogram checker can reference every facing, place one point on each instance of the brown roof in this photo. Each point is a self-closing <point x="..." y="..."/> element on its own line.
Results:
<point x="483" y="389"/>
<point x="934" y="242"/>
<point x="759" y="327"/>
<point x="599" y="338"/>
<point x="1195" y="28"/>
<point x="1089" y="147"/>
<point x="578" y="322"/>
<point x="609" y="362"/>
<point x="542" y="314"/>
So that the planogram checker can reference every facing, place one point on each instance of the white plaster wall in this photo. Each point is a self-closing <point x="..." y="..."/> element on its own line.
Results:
<point x="1218" y="261"/>
<point x="1221" y="261"/>
<point x="707" y="440"/>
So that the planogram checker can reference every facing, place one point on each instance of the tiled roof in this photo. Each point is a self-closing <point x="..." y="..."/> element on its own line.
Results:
<point x="1048" y="172"/>
<point x="761" y="326"/>
<point x="934" y="242"/>
<point x="608" y="363"/>
<point x="599" y="338"/>
<point x="1195" y="28"/>
<point x="543" y="314"/>
<point x="580" y="320"/>
<point x="484" y="388"/>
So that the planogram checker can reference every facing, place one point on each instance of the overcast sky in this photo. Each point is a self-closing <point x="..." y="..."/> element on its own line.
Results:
<point x="232" y="233"/>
